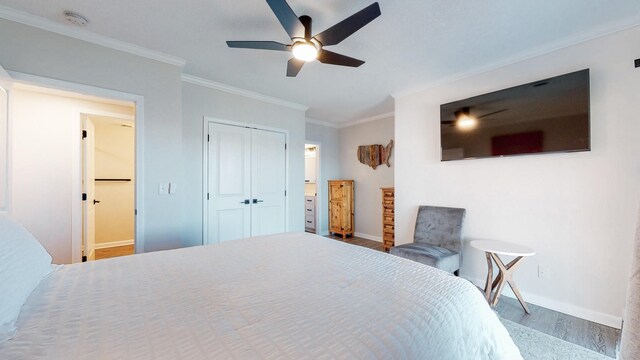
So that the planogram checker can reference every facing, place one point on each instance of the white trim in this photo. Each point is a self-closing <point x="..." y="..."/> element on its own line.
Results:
<point x="322" y="123"/>
<point x="367" y="236"/>
<point x="351" y="123"/>
<point x="111" y="244"/>
<point x="368" y="119"/>
<point x="565" y="308"/>
<point x="205" y="169"/>
<point x="526" y="55"/>
<point x="242" y="92"/>
<point x="139" y="131"/>
<point x="86" y="35"/>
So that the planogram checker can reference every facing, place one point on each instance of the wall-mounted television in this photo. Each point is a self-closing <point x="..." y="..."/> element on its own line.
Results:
<point x="545" y="116"/>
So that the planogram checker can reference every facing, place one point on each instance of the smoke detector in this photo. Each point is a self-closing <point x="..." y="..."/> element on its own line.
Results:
<point x="75" y="18"/>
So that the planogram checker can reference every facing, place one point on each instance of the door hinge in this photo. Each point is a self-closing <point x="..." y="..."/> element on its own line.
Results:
<point x="84" y="197"/>
<point x="285" y="193"/>
<point x="84" y="134"/>
<point x="135" y="212"/>
<point x="285" y="146"/>
<point x="207" y="196"/>
<point x="208" y="138"/>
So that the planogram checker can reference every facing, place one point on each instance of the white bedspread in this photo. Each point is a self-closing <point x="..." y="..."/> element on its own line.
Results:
<point x="289" y="296"/>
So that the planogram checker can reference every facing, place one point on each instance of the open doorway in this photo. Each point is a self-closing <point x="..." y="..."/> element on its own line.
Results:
<point x="312" y="188"/>
<point x="47" y="171"/>
<point x="108" y="182"/>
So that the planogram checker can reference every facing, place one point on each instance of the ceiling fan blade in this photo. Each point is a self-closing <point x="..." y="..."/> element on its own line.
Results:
<point x="342" y="30"/>
<point x="293" y="67"/>
<point x="492" y="113"/>
<point x="289" y="20"/>
<point x="328" y="57"/>
<point x="261" y="45"/>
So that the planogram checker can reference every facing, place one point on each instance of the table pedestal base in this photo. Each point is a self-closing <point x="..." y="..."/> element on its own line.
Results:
<point x="505" y="275"/>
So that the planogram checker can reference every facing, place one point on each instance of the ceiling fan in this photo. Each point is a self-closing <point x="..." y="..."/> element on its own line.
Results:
<point x="307" y="48"/>
<point x="464" y="119"/>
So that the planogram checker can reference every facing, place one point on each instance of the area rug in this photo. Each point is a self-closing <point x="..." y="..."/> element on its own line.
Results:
<point x="535" y="345"/>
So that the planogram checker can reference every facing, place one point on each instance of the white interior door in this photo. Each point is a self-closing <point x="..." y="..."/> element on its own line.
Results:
<point x="89" y="188"/>
<point x="5" y="85"/>
<point x="229" y="183"/>
<point x="268" y="183"/>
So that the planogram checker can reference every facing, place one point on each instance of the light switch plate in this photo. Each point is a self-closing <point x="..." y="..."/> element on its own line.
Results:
<point x="172" y="188"/>
<point x="162" y="189"/>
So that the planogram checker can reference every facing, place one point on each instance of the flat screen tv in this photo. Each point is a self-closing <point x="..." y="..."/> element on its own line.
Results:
<point x="546" y="116"/>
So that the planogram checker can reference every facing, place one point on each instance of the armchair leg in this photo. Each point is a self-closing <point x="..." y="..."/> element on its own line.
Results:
<point x="456" y="273"/>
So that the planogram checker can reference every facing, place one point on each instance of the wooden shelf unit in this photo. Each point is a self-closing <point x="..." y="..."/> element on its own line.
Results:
<point x="341" y="219"/>
<point x="388" y="218"/>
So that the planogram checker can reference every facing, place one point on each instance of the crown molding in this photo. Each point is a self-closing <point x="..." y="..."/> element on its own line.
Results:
<point x="368" y="119"/>
<point x="527" y="55"/>
<point x="322" y="123"/>
<point x="195" y="80"/>
<point x="86" y="35"/>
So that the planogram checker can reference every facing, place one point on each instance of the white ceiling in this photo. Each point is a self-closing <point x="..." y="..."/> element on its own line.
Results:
<point x="413" y="43"/>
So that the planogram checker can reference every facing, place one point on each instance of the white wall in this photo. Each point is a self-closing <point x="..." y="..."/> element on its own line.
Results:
<point x="576" y="210"/>
<point x="33" y="51"/>
<point x="329" y="140"/>
<point x="114" y="159"/>
<point x="198" y="102"/>
<point x="43" y="127"/>
<point x="368" y="196"/>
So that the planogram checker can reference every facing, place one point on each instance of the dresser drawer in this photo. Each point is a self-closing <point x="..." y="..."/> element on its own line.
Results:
<point x="309" y="209"/>
<point x="310" y="222"/>
<point x="310" y="200"/>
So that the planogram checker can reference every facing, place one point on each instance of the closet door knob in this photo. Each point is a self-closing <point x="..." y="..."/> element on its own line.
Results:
<point x="96" y="201"/>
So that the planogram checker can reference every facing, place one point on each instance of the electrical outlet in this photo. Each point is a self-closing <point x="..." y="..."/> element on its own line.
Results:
<point x="637" y="62"/>
<point x="543" y="272"/>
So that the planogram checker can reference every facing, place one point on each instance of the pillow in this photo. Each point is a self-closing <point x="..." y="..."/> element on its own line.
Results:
<point x="23" y="264"/>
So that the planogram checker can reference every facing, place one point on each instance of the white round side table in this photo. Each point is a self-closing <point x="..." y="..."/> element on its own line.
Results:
<point x="493" y="248"/>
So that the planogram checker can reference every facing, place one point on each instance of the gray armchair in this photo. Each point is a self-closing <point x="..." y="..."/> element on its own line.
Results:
<point x="437" y="240"/>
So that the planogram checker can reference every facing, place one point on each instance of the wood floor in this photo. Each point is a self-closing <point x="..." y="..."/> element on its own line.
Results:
<point x="354" y="240"/>
<point x="599" y="338"/>
<point x="114" y="252"/>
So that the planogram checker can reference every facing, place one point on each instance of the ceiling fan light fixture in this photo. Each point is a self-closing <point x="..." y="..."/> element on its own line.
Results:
<point x="305" y="51"/>
<point x="466" y="122"/>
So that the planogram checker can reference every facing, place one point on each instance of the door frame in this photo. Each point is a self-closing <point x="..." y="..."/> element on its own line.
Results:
<point x="205" y="168"/>
<point x="76" y="193"/>
<point x="319" y="182"/>
<point x="6" y="81"/>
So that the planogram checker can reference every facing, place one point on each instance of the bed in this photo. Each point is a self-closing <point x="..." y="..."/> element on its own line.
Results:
<point x="286" y="296"/>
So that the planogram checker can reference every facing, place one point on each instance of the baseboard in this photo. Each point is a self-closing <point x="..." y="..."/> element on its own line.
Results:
<point x="565" y="308"/>
<point x="113" y="244"/>
<point x="368" y="237"/>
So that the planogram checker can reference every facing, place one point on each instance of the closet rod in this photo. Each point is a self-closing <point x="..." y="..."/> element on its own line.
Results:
<point x="113" y="179"/>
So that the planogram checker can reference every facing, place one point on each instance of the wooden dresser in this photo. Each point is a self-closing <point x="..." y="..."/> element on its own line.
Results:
<point x="388" y="218"/>
<point x="341" y="219"/>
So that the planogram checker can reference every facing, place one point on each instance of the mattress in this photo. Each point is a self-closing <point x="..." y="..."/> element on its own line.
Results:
<point x="287" y="296"/>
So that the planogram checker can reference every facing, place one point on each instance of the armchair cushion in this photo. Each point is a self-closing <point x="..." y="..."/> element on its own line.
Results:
<point x="436" y="256"/>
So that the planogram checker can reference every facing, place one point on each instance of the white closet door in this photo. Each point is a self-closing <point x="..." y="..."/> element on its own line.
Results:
<point x="229" y="177"/>
<point x="268" y="170"/>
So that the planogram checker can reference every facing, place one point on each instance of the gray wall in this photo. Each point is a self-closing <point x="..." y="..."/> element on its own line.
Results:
<point x="172" y="137"/>
<point x="38" y="52"/>
<point x="368" y="198"/>
<point x="198" y="102"/>
<point x="577" y="210"/>
<point x="329" y="140"/>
